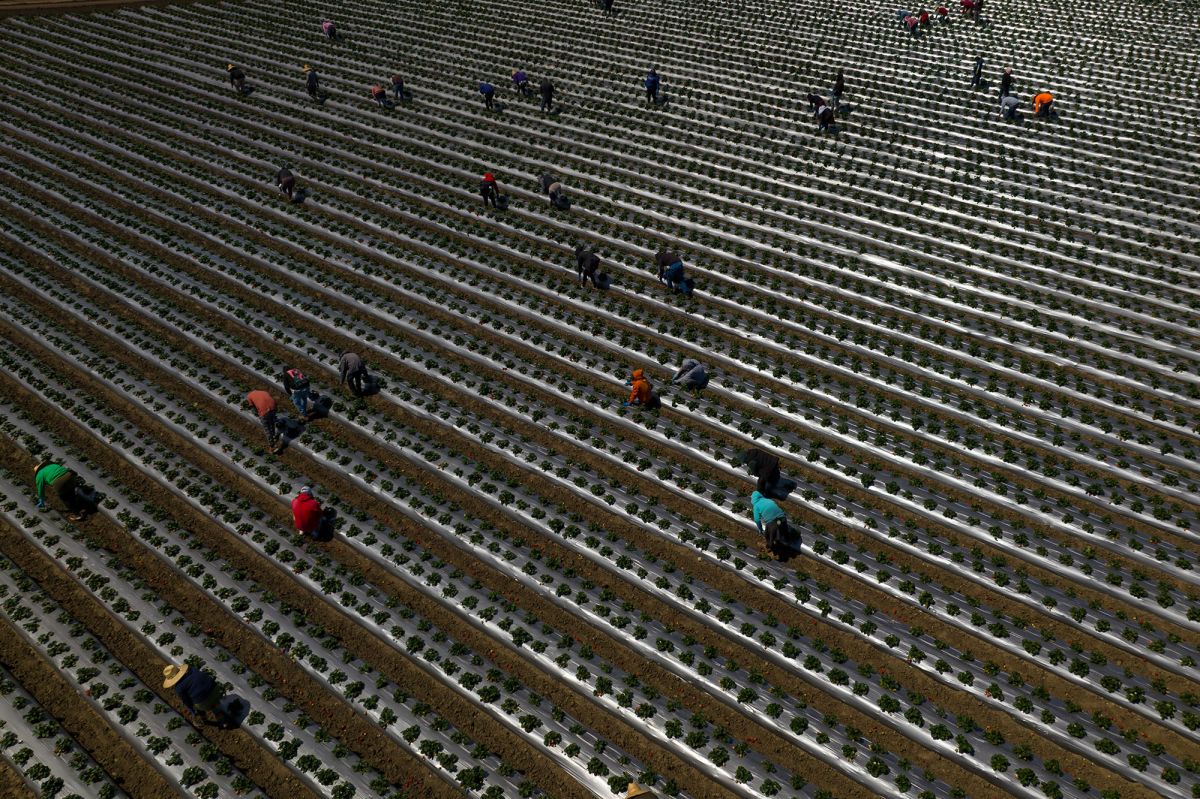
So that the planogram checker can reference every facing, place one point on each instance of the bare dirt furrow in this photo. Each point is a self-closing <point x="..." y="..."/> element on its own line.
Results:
<point x="1046" y="575"/>
<point x="942" y="690"/>
<point x="266" y="770"/>
<point x="124" y="764"/>
<point x="357" y="732"/>
<point x="219" y="625"/>
<point x="916" y="680"/>
<point x="12" y="786"/>
<point x="952" y="635"/>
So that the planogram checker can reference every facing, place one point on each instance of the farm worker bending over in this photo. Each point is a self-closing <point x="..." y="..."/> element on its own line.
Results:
<point x="1042" y="102"/>
<point x="670" y="271"/>
<point x="198" y="692"/>
<point x="327" y="27"/>
<point x="353" y="372"/>
<point x="553" y="190"/>
<point x="64" y="487"/>
<point x="691" y="375"/>
<point x="641" y="392"/>
<point x="490" y="189"/>
<point x="307" y="515"/>
<point x="286" y="182"/>
<point x="489" y="95"/>
<point x="586" y="264"/>
<point x="1009" y="106"/>
<point x="547" y="92"/>
<point x="310" y="82"/>
<point x="825" y="118"/>
<point x="815" y="101"/>
<point x="652" y="83"/>
<point x="296" y="384"/>
<point x="263" y="404"/>
<point x="237" y="78"/>
<point x="379" y="95"/>
<point x="943" y="14"/>
<point x="771" y="521"/>
<point x="521" y="81"/>
<point x="765" y="467"/>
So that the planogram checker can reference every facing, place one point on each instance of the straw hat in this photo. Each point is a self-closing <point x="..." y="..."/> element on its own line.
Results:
<point x="173" y="674"/>
<point x="307" y="68"/>
<point x="637" y="790"/>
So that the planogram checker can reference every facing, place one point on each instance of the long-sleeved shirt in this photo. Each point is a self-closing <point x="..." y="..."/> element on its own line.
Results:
<point x="765" y="510"/>
<point x="263" y="402"/>
<point x="47" y="475"/>
<point x="350" y="364"/>
<point x="195" y="686"/>
<point x="763" y="466"/>
<point x="640" y="391"/>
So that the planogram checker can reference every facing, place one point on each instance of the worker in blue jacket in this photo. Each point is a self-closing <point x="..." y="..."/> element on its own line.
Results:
<point x="198" y="691"/>
<point x="772" y="523"/>
<point x="652" y="83"/>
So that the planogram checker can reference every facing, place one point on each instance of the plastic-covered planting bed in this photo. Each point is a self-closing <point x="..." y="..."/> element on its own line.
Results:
<point x="1074" y="666"/>
<point x="730" y="690"/>
<point x="911" y="271"/>
<point x="238" y="352"/>
<point x="416" y="35"/>
<point x="1018" y="536"/>
<point x="273" y="721"/>
<point x="43" y="753"/>
<point x="1092" y="522"/>
<point x="405" y="717"/>
<point x="1025" y="438"/>
<point x="1119" y="378"/>
<point x="150" y="725"/>
<point x="960" y="744"/>
<point x="1057" y="273"/>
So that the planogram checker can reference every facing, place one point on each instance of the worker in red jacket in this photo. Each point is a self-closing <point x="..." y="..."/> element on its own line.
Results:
<point x="307" y="515"/>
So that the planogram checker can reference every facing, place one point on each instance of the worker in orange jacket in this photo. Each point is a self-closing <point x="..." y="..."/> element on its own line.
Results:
<point x="1042" y="102"/>
<point x="640" y="391"/>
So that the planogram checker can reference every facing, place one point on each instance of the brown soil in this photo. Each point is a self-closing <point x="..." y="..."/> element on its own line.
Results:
<point x="935" y="691"/>
<point x="710" y="574"/>
<point x="12" y="786"/>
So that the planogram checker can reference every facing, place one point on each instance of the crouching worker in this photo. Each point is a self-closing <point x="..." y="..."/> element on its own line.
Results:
<point x="329" y="29"/>
<point x="199" y="692"/>
<point x="309" y="518"/>
<point x="1042" y="102"/>
<point x="825" y="118"/>
<point x="772" y="523"/>
<point x="641" y="393"/>
<point x="670" y="271"/>
<point x="65" y="490"/>
<point x="553" y="189"/>
<point x="586" y="265"/>
<point x="286" y="182"/>
<point x="1009" y="106"/>
<point x="691" y="375"/>
<point x="379" y="95"/>
<point x="237" y="78"/>
<point x="353" y="372"/>
<point x="296" y="384"/>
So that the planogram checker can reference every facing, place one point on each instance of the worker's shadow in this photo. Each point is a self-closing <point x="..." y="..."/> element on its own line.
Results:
<point x="371" y="386"/>
<point x="782" y="489"/>
<point x="247" y="90"/>
<point x="235" y="709"/>
<point x="299" y="196"/>
<point x="663" y="101"/>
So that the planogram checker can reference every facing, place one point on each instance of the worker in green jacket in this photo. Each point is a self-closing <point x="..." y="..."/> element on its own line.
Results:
<point x="772" y="523"/>
<point x="64" y="486"/>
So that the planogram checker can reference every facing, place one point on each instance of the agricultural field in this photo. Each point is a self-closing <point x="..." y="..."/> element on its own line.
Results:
<point x="972" y="342"/>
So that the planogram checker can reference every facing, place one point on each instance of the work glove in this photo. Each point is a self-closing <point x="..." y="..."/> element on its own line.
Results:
<point x="41" y="503"/>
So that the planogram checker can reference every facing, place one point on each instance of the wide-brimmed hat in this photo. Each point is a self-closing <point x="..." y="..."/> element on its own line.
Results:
<point x="637" y="790"/>
<point x="307" y="68"/>
<point x="173" y="674"/>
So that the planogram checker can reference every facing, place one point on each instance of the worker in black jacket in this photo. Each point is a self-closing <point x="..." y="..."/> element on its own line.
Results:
<point x="765" y="467"/>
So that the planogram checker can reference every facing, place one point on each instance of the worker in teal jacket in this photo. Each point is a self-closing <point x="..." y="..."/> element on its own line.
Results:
<point x="772" y="522"/>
